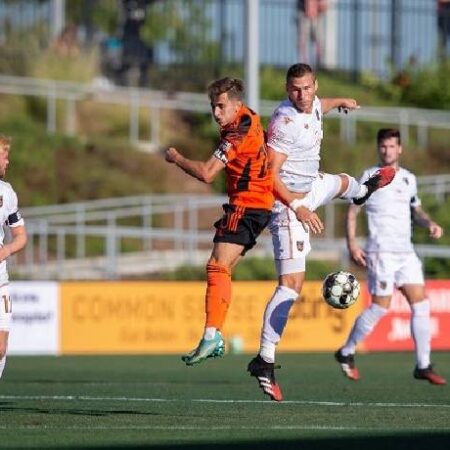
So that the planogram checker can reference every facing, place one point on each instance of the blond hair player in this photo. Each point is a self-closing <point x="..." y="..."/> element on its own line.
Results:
<point x="10" y="216"/>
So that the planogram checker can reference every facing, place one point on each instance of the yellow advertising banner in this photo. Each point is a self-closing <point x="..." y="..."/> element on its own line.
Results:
<point x="168" y="317"/>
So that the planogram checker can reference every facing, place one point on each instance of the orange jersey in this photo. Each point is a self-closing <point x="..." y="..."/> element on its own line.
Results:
<point x="243" y="150"/>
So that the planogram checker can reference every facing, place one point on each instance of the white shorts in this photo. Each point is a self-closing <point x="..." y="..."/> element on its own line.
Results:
<point x="291" y="243"/>
<point x="5" y="308"/>
<point x="386" y="270"/>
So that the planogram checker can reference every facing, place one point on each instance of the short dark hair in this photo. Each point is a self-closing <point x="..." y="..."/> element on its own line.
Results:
<point x="299" y="70"/>
<point x="232" y="86"/>
<point x="5" y="141"/>
<point x="387" y="133"/>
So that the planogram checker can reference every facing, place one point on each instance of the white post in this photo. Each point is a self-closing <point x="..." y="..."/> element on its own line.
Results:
<point x="252" y="54"/>
<point x="134" y="116"/>
<point x="329" y="34"/>
<point x="58" y="17"/>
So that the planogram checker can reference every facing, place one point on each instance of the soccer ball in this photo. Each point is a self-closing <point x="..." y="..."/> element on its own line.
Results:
<point x="340" y="289"/>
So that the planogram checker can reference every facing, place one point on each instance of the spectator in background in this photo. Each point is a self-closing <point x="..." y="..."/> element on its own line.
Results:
<point x="443" y="17"/>
<point x="10" y="216"/>
<point x="66" y="44"/>
<point x="310" y="30"/>
<point x="135" y="52"/>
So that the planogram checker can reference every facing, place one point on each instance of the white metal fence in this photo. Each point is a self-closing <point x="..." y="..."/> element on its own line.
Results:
<point x="131" y="236"/>
<point x="154" y="101"/>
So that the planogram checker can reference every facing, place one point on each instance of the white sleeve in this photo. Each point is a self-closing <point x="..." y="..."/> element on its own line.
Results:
<point x="11" y="203"/>
<point x="280" y="134"/>
<point x="415" y="200"/>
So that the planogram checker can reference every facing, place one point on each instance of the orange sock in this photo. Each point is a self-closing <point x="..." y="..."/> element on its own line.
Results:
<point x="218" y="294"/>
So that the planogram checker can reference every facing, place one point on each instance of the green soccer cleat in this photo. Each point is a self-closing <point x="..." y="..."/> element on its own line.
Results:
<point x="207" y="348"/>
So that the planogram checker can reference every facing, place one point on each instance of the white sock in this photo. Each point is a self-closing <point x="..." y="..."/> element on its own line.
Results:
<point x="421" y="333"/>
<point x="275" y="319"/>
<point x="355" y="189"/>
<point x="210" y="332"/>
<point x="2" y="365"/>
<point x="363" y="325"/>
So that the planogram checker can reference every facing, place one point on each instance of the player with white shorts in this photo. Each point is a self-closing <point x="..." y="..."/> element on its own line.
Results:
<point x="388" y="270"/>
<point x="294" y="137"/>
<point x="290" y="237"/>
<point x="9" y="215"/>
<point x="391" y="260"/>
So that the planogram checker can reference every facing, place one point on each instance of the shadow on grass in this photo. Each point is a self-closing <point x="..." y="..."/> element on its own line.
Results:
<point x="72" y="411"/>
<point x="425" y="441"/>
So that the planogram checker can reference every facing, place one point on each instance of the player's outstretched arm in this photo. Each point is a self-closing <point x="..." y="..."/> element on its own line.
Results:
<point x="205" y="171"/>
<point x="342" y="104"/>
<point x="356" y="252"/>
<point x="18" y="242"/>
<point x="422" y="219"/>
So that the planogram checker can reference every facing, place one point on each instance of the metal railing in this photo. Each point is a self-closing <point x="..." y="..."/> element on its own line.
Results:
<point x="154" y="101"/>
<point x="161" y="232"/>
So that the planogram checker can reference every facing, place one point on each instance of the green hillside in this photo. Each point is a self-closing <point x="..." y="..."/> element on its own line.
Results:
<point x="99" y="162"/>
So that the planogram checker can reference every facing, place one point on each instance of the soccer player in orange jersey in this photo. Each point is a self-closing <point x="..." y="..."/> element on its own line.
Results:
<point x="243" y="155"/>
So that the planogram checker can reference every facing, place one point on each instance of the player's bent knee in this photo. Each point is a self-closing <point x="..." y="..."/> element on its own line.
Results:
<point x="345" y="182"/>
<point x="214" y="267"/>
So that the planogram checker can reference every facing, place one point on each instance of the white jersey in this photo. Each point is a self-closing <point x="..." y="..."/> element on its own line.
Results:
<point x="389" y="213"/>
<point x="297" y="135"/>
<point x="9" y="216"/>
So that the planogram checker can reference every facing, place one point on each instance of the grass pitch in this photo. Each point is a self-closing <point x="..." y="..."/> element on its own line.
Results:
<point x="157" y="402"/>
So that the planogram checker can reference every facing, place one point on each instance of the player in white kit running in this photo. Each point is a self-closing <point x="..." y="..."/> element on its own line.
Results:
<point x="294" y="137"/>
<point x="391" y="260"/>
<point x="10" y="216"/>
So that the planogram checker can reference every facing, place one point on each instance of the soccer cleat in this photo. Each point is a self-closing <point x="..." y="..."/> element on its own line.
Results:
<point x="382" y="177"/>
<point x="430" y="375"/>
<point x="207" y="348"/>
<point x="264" y="373"/>
<point x="347" y="364"/>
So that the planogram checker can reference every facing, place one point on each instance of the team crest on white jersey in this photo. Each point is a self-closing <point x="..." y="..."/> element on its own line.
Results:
<point x="300" y="245"/>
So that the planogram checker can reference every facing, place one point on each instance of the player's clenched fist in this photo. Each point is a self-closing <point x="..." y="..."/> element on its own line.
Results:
<point x="436" y="231"/>
<point x="171" y="155"/>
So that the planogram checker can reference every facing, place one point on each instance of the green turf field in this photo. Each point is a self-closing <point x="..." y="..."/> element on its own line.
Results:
<point x="157" y="402"/>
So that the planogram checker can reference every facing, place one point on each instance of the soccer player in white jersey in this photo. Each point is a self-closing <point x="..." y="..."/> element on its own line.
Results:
<point x="391" y="260"/>
<point x="10" y="216"/>
<point x="294" y="136"/>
